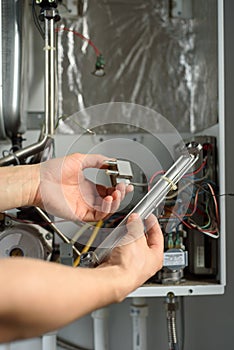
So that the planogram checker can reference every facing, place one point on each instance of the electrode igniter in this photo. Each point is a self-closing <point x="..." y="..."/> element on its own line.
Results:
<point x="147" y="204"/>
<point x="119" y="171"/>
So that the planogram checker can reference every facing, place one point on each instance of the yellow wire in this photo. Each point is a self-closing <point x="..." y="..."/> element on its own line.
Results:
<point x="80" y="232"/>
<point x="90" y="241"/>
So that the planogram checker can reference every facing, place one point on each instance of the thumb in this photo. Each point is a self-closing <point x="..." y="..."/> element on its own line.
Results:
<point x="92" y="160"/>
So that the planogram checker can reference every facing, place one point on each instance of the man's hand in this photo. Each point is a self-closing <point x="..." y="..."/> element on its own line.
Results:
<point x="65" y="192"/>
<point x="139" y="255"/>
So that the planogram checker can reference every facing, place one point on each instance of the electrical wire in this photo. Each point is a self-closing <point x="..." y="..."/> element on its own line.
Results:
<point x="33" y="222"/>
<point x="208" y="215"/>
<point x="211" y="233"/>
<point x="194" y="205"/>
<point x="225" y="194"/>
<point x="90" y="242"/>
<point x="81" y="36"/>
<point x="64" y="117"/>
<point x="217" y="218"/>
<point x="139" y="184"/>
<point x="80" y="232"/>
<point x="154" y="176"/>
<point x="204" y="185"/>
<point x="215" y="202"/>
<point x="186" y="175"/>
<point x="198" y="169"/>
<point x="176" y="193"/>
<point x="65" y="344"/>
<point x="36" y="20"/>
<point x="189" y="223"/>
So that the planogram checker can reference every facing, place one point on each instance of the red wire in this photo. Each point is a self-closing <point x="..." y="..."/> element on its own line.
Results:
<point x="204" y="230"/>
<point x="215" y="202"/>
<point x="153" y="177"/>
<point x="191" y="225"/>
<point x="97" y="52"/>
<point x="180" y="218"/>
<point x="195" y="204"/>
<point x="216" y="212"/>
<point x="186" y="175"/>
<point x="198" y="169"/>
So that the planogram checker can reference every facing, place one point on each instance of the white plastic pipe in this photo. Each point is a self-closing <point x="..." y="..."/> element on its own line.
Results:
<point x="139" y="313"/>
<point x="100" y="327"/>
<point x="5" y="347"/>
<point x="49" y="341"/>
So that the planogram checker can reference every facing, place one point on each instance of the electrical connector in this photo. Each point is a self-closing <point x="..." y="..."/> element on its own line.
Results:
<point x="99" y="67"/>
<point x="119" y="171"/>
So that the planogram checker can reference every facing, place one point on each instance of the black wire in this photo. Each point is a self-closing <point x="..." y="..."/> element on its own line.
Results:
<point x="202" y="187"/>
<point x="68" y="345"/>
<point x="226" y="194"/>
<point x="36" y="20"/>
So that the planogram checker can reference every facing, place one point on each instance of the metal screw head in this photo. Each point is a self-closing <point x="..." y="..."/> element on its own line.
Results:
<point x="48" y="236"/>
<point x="8" y="223"/>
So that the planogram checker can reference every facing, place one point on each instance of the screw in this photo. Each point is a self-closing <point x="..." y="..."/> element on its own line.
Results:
<point x="8" y="223"/>
<point x="48" y="236"/>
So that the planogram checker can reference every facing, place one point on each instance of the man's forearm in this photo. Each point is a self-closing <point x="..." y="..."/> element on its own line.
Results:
<point x="50" y="295"/>
<point x="18" y="186"/>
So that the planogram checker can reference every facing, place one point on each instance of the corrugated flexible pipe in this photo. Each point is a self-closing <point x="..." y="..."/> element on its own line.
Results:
<point x="171" y="307"/>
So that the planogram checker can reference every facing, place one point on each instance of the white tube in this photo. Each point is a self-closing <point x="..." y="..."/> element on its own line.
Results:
<point x="5" y="347"/>
<point x="100" y="326"/>
<point x="49" y="341"/>
<point x="139" y="313"/>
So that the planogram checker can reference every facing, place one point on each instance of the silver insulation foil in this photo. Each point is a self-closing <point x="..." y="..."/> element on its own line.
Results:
<point x="153" y="59"/>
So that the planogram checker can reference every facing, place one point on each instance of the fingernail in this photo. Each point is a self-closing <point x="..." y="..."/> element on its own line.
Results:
<point x="134" y="216"/>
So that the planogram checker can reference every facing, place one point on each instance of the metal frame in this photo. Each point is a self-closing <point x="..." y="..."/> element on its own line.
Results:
<point x="201" y="288"/>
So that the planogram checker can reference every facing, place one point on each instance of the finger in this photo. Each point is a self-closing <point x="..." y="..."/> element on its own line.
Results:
<point x="124" y="189"/>
<point x="116" y="195"/>
<point x="91" y="160"/>
<point x="106" y="205"/>
<point x="105" y="191"/>
<point x="121" y="187"/>
<point x="154" y="232"/>
<point x="134" y="217"/>
<point x="135" y="226"/>
<point x="111" y="192"/>
<point x="129" y="188"/>
<point x="133" y="230"/>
